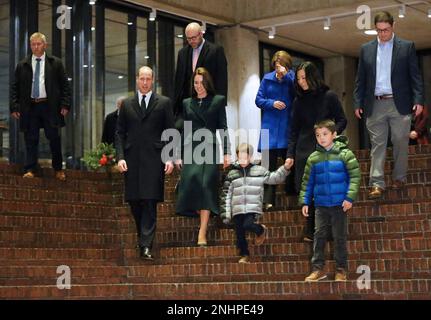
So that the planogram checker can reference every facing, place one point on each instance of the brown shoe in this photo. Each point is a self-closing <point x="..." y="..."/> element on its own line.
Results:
<point x="260" y="239"/>
<point x="316" y="276"/>
<point x="375" y="193"/>
<point x="398" y="184"/>
<point x="340" y="275"/>
<point x="60" y="175"/>
<point x="28" y="175"/>
<point x="244" y="259"/>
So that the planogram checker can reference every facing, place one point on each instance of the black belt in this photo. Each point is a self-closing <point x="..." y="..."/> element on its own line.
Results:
<point x="39" y="100"/>
<point x="385" y="96"/>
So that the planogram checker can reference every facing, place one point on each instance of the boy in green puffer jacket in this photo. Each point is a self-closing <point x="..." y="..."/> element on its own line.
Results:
<point x="332" y="177"/>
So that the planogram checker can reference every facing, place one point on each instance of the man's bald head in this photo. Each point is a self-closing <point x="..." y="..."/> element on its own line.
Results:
<point x="194" y="34"/>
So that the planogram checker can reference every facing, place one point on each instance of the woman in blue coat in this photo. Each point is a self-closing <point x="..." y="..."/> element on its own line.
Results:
<point x="275" y="96"/>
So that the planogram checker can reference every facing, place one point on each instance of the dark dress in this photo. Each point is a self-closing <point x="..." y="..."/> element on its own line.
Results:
<point x="309" y="109"/>
<point x="198" y="187"/>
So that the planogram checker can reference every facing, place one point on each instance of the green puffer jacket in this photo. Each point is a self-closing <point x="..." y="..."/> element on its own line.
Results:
<point x="330" y="176"/>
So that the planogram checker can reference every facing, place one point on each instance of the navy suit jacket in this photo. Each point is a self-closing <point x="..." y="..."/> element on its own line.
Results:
<point x="406" y="79"/>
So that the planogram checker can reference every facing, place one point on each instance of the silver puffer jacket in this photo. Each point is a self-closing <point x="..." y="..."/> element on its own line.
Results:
<point x="243" y="189"/>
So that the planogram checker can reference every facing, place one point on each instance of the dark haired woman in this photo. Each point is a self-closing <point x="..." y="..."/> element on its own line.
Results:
<point x="199" y="183"/>
<point x="314" y="102"/>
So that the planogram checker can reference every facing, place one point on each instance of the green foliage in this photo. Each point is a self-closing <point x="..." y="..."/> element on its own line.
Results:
<point x="103" y="155"/>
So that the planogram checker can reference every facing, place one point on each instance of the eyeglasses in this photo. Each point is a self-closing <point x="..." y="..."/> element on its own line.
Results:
<point x="193" y="38"/>
<point x="384" y="30"/>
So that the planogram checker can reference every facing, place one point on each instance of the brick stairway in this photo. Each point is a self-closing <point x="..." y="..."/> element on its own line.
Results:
<point x="83" y="223"/>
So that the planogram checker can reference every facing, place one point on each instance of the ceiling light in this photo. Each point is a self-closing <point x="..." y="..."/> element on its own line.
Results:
<point x="92" y="2"/>
<point x="93" y="28"/>
<point x="120" y="77"/>
<point x="429" y="13"/>
<point x="130" y="23"/>
<point x="271" y="33"/>
<point x="153" y="15"/>
<point x="204" y="27"/>
<point x="327" y="24"/>
<point x="402" y="11"/>
<point x="147" y="57"/>
<point x="179" y="36"/>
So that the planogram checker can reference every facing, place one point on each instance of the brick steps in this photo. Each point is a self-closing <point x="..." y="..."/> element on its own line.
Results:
<point x="358" y="230"/>
<point x="14" y="254"/>
<point x="360" y="249"/>
<point x="380" y="289"/>
<point x="229" y="272"/>
<point x="20" y="222"/>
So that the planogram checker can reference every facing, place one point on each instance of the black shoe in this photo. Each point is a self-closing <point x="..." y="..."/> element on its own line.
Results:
<point x="146" y="253"/>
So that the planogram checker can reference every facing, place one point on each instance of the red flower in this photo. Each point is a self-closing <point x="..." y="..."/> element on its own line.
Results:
<point x="104" y="160"/>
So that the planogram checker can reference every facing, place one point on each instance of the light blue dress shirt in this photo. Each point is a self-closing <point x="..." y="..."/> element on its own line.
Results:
<point x="383" y="67"/>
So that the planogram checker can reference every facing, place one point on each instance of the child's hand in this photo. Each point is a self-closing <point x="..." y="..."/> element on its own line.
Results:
<point x="305" y="211"/>
<point x="288" y="163"/>
<point x="347" y="205"/>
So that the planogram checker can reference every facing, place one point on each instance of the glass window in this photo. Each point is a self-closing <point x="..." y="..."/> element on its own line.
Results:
<point x="116" y="58"/>
<point x="4" y="78"/>
<point x="179" y="42"/>
<point x="142" y="43"/>
<point x="45" y="22"/>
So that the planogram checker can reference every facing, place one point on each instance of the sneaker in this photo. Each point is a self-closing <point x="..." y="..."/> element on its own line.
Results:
<point x="28" y="175"/>
<point x="316" y="276"/>
<point x="60" y="175"/>
<point x="244" y="259"/>
<point x="340" y="275"/>
<point x="260" y="239"/>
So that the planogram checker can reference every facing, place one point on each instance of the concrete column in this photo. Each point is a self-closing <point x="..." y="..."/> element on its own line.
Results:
<point x="340" y="77"/>
<point x="242" y="52"/>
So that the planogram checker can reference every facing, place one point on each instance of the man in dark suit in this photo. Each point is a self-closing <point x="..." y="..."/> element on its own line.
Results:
<point x="110" y="125"/>
<point x="141" y="121"/>
<point x="199" y="53"/>
<point x="40" y="98"/>
<point x="388" y="87"/>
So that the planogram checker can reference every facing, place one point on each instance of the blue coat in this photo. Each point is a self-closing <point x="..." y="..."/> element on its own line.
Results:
<point x="276" y="121"/>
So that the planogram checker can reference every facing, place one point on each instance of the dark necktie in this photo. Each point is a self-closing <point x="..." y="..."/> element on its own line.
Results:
<point x="143" y="104"/>
<point x="36" y="79"/>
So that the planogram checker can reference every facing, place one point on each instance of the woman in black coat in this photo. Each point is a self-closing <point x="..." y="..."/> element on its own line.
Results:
<point x="199" y="183"/>
<point x="314" y="102"/>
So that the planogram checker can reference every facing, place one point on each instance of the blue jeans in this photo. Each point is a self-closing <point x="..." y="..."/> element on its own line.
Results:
<point x="243" y="223"/>
<point x="335" y="219"/>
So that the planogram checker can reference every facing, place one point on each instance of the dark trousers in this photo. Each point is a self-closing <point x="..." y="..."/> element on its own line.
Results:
<point x="243" y="223"/>
<point x="335" y="219"/>
<point x="310" y="222"/>
<point x="145" y="214"/>
<point x="39" y="118"/>
<point x="269" y="191"/>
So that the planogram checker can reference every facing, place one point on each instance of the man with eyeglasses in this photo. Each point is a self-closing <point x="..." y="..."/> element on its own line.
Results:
<point x="198" y="53"/>
<point x="388" y="88"/>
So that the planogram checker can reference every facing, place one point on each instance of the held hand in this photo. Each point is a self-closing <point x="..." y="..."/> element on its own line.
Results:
<point x="279" y="105"/>
<point x="347" y="205"/>
<point x="122" y="165"/>
<point x="413" y="135"/>
<point x="418" y="109"/>
<point x="169" y="167"/>
<point x="16" y="115"/>
<point x="179" y="164"/>
<point x="305" y="211"/>
<point x="289" y="163"/>
<point x="226" y="161"/>
<point x="64" y="112"/>
<point x="358" y="113"/>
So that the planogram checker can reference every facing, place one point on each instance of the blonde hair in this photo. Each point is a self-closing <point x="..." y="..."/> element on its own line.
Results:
<point x="283" y="58"/>
<point x="38" y="35"/>
<point x="245" y="147"/>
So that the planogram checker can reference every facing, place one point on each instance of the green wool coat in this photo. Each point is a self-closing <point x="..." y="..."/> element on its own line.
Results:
<point x="198" y="188"/>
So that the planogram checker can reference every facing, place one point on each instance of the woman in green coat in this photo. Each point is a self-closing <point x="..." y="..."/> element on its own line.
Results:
<point x="204" y="113"/>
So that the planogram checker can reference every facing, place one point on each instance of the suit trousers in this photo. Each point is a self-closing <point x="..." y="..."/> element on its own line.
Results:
<point x="384" y="116"/>
<point x="145" y="214"/>
<point x="39" y="118"/>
